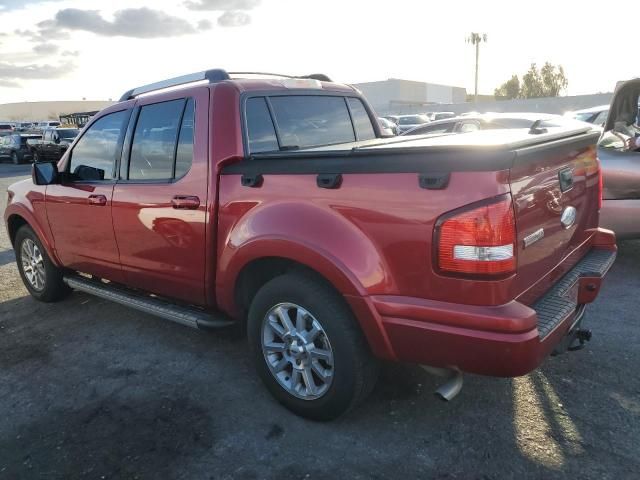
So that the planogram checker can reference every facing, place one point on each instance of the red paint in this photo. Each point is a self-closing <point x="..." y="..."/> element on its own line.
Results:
<point x="372" y="239"/>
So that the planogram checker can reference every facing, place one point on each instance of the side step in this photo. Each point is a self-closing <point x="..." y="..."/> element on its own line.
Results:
<point x="189" y="316"/>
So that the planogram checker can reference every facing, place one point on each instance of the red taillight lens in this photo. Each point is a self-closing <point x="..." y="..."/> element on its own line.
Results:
<point x="480" y="240"/>
<point x="600" y="184"/>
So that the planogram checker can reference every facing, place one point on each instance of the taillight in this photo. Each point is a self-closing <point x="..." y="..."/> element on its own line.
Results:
<point x="600" y="184"/>
<point x="478" y="240"/>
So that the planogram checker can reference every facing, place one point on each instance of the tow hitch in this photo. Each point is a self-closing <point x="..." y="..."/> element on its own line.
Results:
<point x="577" y="336"/>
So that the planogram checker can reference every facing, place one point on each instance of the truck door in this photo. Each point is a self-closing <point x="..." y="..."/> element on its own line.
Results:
<point x="79" y="208"/>
<point x="160" y="201"/>
<point x="54" y="146"/>
<point x="45" y="154"/>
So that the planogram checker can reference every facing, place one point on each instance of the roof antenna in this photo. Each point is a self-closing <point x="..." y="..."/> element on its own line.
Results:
<point x="536" y="129"/>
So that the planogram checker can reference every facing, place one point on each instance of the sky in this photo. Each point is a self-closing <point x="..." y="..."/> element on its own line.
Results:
<point x="98" y="49"/>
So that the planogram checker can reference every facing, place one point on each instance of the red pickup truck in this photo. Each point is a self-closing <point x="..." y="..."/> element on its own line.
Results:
<point x="274" y="203"/>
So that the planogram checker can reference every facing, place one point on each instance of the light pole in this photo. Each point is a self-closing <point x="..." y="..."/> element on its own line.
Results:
<point x="476" y="39"/>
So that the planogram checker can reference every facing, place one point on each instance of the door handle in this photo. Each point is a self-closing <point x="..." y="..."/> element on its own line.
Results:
<point x="99" y="200"/>
<point x="185" y="202"/>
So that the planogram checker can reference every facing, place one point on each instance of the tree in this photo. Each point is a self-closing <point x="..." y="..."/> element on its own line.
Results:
<point x="549" y="81"/>
<point x="554" y="81"/>
<point x="509" y="89"/>
<point x="532" y="86"/>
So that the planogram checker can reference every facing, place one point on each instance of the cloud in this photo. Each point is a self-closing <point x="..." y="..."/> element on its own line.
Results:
<point x="17" y="4"/>
<point x="233" y="15"/>
<point x="46" y="49"/>
<point x="234" y="19"/>
<point x="221" y="5"/>
<point x="10" y="72"/>
<point x="9" y="84"/>
<point x="45" y="33"/>
<point x="70" y="53"/>
<point x="130" y="22"/>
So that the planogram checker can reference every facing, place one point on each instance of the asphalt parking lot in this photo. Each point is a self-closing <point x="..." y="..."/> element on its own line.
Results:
<point x="90" y="389"/>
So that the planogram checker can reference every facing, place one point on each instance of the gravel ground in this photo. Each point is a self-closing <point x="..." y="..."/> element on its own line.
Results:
<point x="90" y="389"/>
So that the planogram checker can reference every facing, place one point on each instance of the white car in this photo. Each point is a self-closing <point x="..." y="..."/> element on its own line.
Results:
<point x="595" y="115"/>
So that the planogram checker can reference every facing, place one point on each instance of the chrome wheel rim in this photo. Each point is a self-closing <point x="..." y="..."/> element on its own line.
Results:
<point x="32" y="264"/>
<point x="297" y="351"/>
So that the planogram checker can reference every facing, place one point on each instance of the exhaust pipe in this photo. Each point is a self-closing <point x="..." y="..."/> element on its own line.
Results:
<point x="449" y="390"/>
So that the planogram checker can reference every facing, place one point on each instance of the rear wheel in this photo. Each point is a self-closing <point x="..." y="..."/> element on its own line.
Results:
<point x="308" y="349"/>
<point x="14" y="158"/>
<point x="41" y="277"/>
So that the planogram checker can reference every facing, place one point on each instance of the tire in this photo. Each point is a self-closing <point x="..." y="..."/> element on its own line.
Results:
<point x="14" y="158"/>
<point x="348" y="377"/>
<point x="41" y="277"/>
<point x="36" y="156"/>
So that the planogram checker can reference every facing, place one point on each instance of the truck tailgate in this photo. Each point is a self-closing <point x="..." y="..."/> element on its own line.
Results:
<point x="555" y="190"/>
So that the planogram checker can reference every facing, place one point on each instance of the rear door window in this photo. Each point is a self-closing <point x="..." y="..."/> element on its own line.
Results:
<point x="312" y="120"/>
<point x="361" y="120"/>
<point x="154" y="141"/>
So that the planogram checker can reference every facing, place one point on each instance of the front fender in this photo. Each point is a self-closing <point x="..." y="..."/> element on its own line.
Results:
<point x="29" y="204"/>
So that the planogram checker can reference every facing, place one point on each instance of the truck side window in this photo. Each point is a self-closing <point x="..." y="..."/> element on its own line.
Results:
<point x="361" y="120"/>
<point x="184" y="152"/>
<point x="154" y="141"/>
<point x="261" y="133"/>
<point x="312" y="120"/>
<point x="94" y="155"/>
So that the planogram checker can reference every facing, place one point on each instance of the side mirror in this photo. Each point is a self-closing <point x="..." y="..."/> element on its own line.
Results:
<point x="56" y="139"/>
<point x="44" y="173"/>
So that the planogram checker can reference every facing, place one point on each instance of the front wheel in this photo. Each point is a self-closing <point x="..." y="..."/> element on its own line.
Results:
<point x="41" y="277"/>
<point x="308" y="348"/>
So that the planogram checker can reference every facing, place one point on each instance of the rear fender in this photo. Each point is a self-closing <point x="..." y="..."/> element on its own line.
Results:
<point x="319" y="239"/>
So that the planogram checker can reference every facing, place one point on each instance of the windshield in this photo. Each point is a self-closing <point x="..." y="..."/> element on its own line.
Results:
<point x="67" y="133"/>
<point x="414" y="120"/>
<point x="584" y="117"/>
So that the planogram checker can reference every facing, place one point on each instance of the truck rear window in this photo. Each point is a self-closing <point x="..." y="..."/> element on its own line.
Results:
<point x="305" y="121"/>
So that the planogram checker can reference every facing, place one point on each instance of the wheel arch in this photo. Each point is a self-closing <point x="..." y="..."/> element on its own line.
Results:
<point x="247" y="277"/>
<point x="17" y="218"/>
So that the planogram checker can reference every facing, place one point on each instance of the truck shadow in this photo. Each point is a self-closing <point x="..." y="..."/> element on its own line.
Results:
<point x="95" y="389"/>
<point x="7" y="257"/>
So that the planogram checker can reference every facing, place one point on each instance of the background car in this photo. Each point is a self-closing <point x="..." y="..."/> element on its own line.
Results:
<point x="388" y="127"/>
<point x="493" y="121"/>
<point x="16" y="148"/>
<point x="595" y="115"/>
<point x="620" y="165"/>
<point x="40" y="126"/>
<point x="24" y="126"/>
<point x="54" y="143"/>
<point x="434" y="116"/>
<point x="6" y="129"/>
<point x="407" y="122"/>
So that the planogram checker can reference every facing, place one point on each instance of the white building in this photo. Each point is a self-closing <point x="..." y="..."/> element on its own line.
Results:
<point x="405" y="96"/>
<point x="38" y="111"/>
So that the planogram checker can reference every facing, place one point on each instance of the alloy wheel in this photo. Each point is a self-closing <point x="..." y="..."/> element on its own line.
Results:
<point x="32" y="264"/>
<point x="297" y="351"/>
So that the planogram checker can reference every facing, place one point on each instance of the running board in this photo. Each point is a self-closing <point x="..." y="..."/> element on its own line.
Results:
<point x="189" y="316"/>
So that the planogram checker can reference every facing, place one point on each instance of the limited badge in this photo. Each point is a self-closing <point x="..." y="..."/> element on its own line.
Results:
<point x="534" y="237"/>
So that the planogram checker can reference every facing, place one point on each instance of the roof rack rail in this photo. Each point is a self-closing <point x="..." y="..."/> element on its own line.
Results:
<point x="314" y="76"/>
<point x="213" y="76"/>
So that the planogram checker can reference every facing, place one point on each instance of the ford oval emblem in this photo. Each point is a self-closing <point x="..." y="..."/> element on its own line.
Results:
<point x="568" y="217"/>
